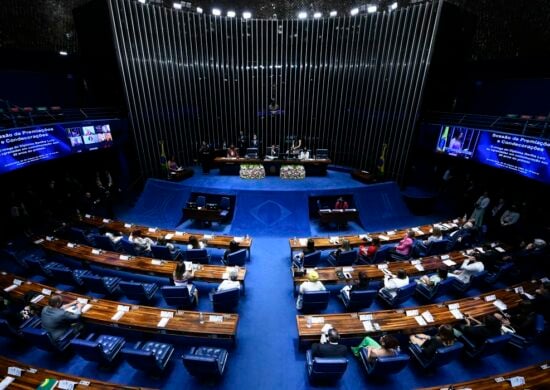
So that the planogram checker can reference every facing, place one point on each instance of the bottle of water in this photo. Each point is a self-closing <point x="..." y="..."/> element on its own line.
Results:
<point x="201" y="318"/>
<point x="309" y="321"/>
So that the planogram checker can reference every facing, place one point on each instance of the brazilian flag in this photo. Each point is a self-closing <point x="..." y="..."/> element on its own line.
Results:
<point x="381" y="161"/>
<point x="163" y="161"/>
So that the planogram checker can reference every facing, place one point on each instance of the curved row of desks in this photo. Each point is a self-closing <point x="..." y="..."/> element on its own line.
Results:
<point x="134" y="317"/>
<point x="137" y="264"/>
<point x="535" y="377"/>
<point x="213" y="241"/>
<point x="329" y="275"/>
<point x="31" y="377"/>
<point x="333" y="242"/>
<point x="354" y="325"/>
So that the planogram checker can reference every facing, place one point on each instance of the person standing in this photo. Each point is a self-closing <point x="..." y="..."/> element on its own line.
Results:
<point x="204" y="157"/>
<point x="479" y="210"/>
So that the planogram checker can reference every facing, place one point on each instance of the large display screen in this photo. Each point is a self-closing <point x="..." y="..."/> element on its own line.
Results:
<point x="20" y="147"/>
<point x="526" y="156"/>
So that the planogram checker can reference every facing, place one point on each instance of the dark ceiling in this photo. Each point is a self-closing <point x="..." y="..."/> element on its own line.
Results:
<point x="505" y="29"/>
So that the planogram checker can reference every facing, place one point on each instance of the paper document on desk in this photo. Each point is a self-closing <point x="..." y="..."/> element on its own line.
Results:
<point x="37" y="298"/>
<point x="368" y="326"/>
<point x="156" y="262"/>
<point x="215" y="319"/>
<point x="66" y="385"/>
<point x="10" y="288"/>
<point x="419" y="267"/>
<point x="124" y="257"/>
<point x="303" y="241"/>
<point x="454" y="306"/>
<point x="445" y="257"/>
<point x="501" y="305"/>
<point x="420" y="321"/>
<point x="334" y="239"/>
<point x="411" y="313"/>
<point x="365" y="317"/>
<point x="416" y="229"/>
<point x="457" y="314"/>
<point x="123" y="308"/>
<point x="428" y="316"/>
<point x="118" y="315"/>
<point x="317" y="320"/>
<point x="325" y="210"/>
<point x="490" y="298"/>
<point x="347" y="269"/>
<point x="207" y="236"/>
<point x="383" y="238"/>
<point x="238" y="239"/>
<point x="449" y="263"/>
<point x="166" y="314"/>
<point x="365" y="237"/>
<point x="86" y="308"/>
<point x="127" y="225"/>
<point x="499" y="249"/>
<point x="177" y="233"/>
<point x="188" y="265"/>
<point x="163" y="321"/>
<point x="6" y="382"/>
<point x="152" y="230"/>
<point x="225" y="275"/>
<point x="169" y="236"/>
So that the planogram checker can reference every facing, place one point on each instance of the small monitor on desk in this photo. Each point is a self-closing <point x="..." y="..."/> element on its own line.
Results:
<point x="191" y="205"/>
<point x="322" y="154"/>
<point x="211" y="206"/>
<point x="251" y="153"/>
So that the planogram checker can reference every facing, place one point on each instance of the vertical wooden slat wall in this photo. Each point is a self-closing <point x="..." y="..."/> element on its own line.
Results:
<point x="348" y="84"/>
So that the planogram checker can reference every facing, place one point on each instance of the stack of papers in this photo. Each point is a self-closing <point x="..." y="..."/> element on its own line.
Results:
<point x="368" y="326"/>
<point x="169" y="236"/>
<point x="501" y="305"/>
<point x="457" y="314"/>
<point x="490" y="298"/>
<point x="411" y="313"/>
<point x="419" y="267"/>
<point x="428" y="316"/>
<point x="449" y="263"/>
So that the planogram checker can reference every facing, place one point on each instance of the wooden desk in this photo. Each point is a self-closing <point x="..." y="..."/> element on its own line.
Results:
<point x="338" y="216"/>
<point x="31" y="379"/>
<point x="350" y="325"/>
<point x="363" y="176"/>
<point x="536" y="377"/>
<point x="231" y="166"/>
<point x="203" y="214"/>
<point x="213" y="241"/>
<point x="137" y="264"/>
<point x="138" y="318"/>
<point x="356" y="240"/>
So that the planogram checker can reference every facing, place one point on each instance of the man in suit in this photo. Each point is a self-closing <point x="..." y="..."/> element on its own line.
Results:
<point x="56" y="320"/>
<point x="330" y="349"/>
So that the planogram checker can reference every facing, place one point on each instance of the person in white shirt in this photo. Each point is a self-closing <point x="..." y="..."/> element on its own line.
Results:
<point x="111" y="235"/>
<point x="393" y="282"/>
<point x="231" y="283"/>
<point x="479" y="210"/>
<point x="469" y="267"/>
<point x="194" y="243"/>
<point x="143" y="243"/>
<point x="437" y="235"/>
<point x="510" y="216"/>
<point x="312" y="284"/>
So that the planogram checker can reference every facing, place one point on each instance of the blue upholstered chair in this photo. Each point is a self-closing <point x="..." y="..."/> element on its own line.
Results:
<point x="226" y="300"/>
<point x="105" y="243"/>
<point x="138" y="291"/>
<point x="39" y="266"/>
<point x="386" y="365"/>
<point x="358" y="299"/>
<point x="325" y="369"/>
<point x="489" y="347"/>
<point x="178" y="296"/>
<point x="315" y="301"/>
<point x="430" y="293"/>
<point x="346" y="258"/>
<point x="442" y="356"/>
<point x="475" y="280"/>
<point x="152" y="357"/>
<point x="103" y="350"/>
<point x="38" y="337"/>
<point x="522" y="342"/>
<point x="7" y="330"/>
<point x="236" y="258"/>
<point x="79" y="235"/>
<point x="312" y="259"/>
<point x="200" y="256"/>
<point x="201" y="201"/>
<point x="205" y="362"/>
<point x="100" y="284"/>
<point x="128" y="247"/>
<point x="68" y="276"/>
<point x="164" y="253"/>
<point x="437" y="247"/>
<point x="402" y="294"/>
<point x="493" y="277"/>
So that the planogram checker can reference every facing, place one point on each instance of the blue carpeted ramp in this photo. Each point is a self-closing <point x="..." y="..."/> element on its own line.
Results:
<point x="277" y="213"/>
<point x="160" y="204"/>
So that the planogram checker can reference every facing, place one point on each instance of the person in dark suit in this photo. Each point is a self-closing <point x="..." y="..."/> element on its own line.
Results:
<point x="482" y="330"/>
<point x="56" y="320"/>
<point x="330" y="349"/>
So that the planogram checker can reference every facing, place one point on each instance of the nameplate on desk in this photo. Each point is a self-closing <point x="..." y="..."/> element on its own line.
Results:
<point x="382" y="266"/>
<point x="334" y="239"/>
<point x="127" y="225"/>
<point x="325" y="210"/>
<point x="317" y="320"/>
<point x="347" y="269"/>
<point x="518" y="290"/>
<point x="169" y="236"/>
<point x="32" y="370"/>
<point x="71" y="245"/>
<point x="479" y="249"/>
<point x="383" y="238"/>
<point x="166" y="314"/>
<point x="82" y="301"/>
<point x="457" y="314"/>
<point x="124" y="257"/>
<point x="545" y="366"/>
<point x="17" y="282"/>
<point x="66" y="384"/>
<point x="390" y="232"/>
<point x="123" y="308"/>
<point x="369" y="327"/>
<point x="365" y="317"/>
<point x="156" y="262"/>
<point x="96" y="252"/>
<point x="490" y="298"/>
<point x="415" y="262"/>
<point x="500" y="305"/>
<point x="84" y="383"/>
<point x="10" y="288"/>
<point x="178" y="233"/>
<point x="15" y="371"/>
<point x="449" y="263"/>
<point x="303" y="241"/>
<point x="163" y="321"/>
<point x="499" y="249"/>
<point x="445" y="257"/>
<point x="412" y="313"/>
<point x="50" y="238"/>
<point x="207" y="236"/>
<point x="427" y="316"/>
<point x="40" y="241"/>
<point x="37" y="298"/>
<point x="6" y="382"/>
<point x="87" y="216"/>
<point x="416" y="229"/>
<point x="106" y="220"/>
<point x="216" y="319"/>
<point x="238" y="239"/>
<point x="365" y="237"/>
<point x="419" y="267"/>
<point x="454" y="306"/>
<point x="86" y="308"/>
<point x="188" y="265"/>
<point x="420" y="321"/>
<point x="118" y="315"/>
<point x="46" y="291"/>
<point x="152" y="230"/>
<point x="516" y="381"/>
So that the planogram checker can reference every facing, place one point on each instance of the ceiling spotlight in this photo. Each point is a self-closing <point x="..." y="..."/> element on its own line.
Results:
<point x="371" y="9"/>
<point x="216" y="12"/>
<point x="247" y="15"/>
<point x="354" y="11"/>
<point x="142" y="1"/>
<point x="231" y="14"/>
<point x="333" y="13"/>
<point x="302" y="15"/>
<point x="199" y="10"/>
<point x="393" y="6"/>
<point x="63" y="53"/>
<point x="177" y="5"/>
<point x="317" y="15"/>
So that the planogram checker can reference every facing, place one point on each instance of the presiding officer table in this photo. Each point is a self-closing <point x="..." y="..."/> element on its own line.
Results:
<point x="231" y="166"/>
<point x="32" y="377"/>
<point x="134" y="317"/>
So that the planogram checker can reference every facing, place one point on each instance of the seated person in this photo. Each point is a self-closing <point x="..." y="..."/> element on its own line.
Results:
<point x="329" y="347"/>
<point x="312" y="284"/>
<point x="233" y="247"/>
<point x="231" y="283"/>
<point x="366" y="250"/>
<point x="298" y="259"/>
<point x="167" y="244"/>
<point x="56" y="320"/>
<point x="172" y="164"/>
<point x="232" y="152"/>
<point x="111" y="234"/>
<point x="404" y="247"/>
<point x="388" y="346"/>
<point x="394" y="282"/>
<point x="341" y="204"/>
<point x="464" y="237"/>
<point x="273" y="152"/>
<point x="344" y="248"/>
<point x="432" y="280"/>
<point x="437" y="235"/>
<point x="429" y="344"/>
<point x="481" y="330"/>
<point x="362" y="284"/>
<point x="143" y="243"/>
<point x="469" y="267"/>
<point x="542" y="300"/>
<point x="520" y="320"/>
<point x="182" y="277"/>
<point x="194" y="243"/>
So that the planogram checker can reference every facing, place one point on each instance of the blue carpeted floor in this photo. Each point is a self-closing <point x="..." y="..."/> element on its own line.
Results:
<point x="266" y="354"/>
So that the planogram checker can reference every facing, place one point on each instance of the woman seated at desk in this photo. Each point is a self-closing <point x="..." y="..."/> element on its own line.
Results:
<point x="172" y="164"/>
<point x="232" y="152"/>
